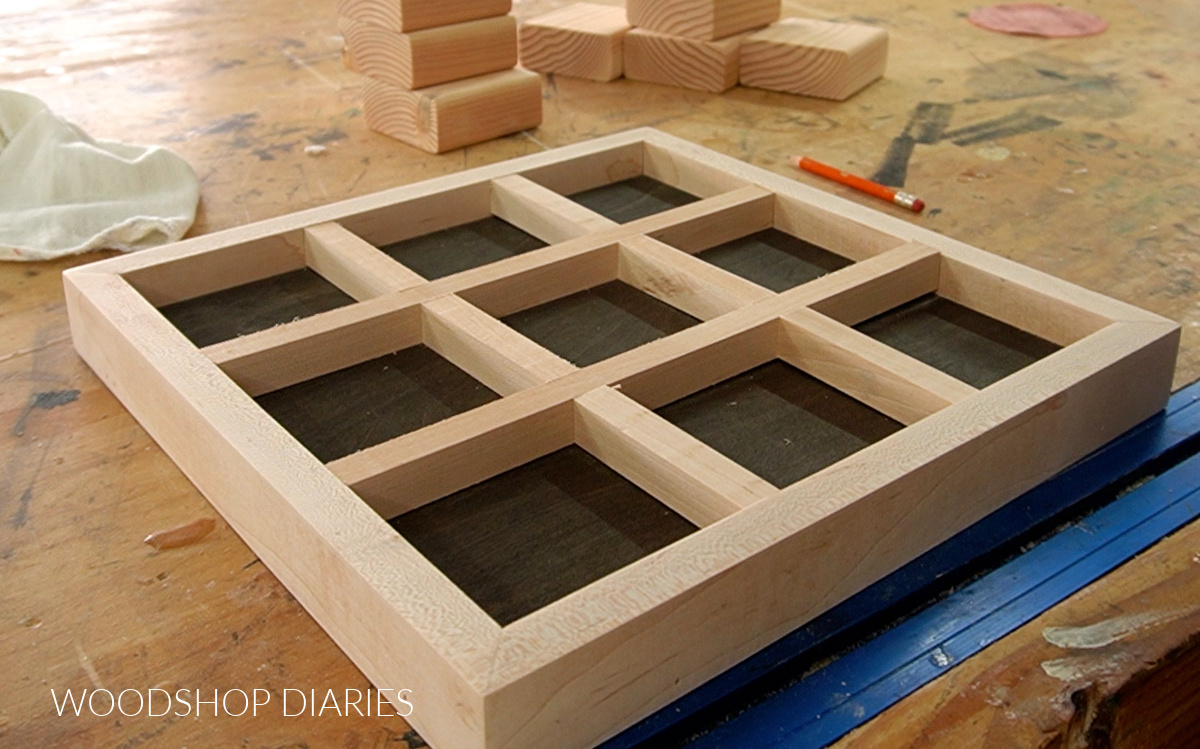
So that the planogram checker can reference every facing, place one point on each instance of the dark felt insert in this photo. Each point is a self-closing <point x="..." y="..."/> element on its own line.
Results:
<point x="530" y="536"/>
<point x="632" y="199"/>
<point x="975" y="348"/>
<point x="774" y="259"/>
<point x="592" y="325"/>
<point x="255" y="306"/>
<point x="459" y="248"/>
<point x="779" y="422"/>
<point x="351" y="409"/>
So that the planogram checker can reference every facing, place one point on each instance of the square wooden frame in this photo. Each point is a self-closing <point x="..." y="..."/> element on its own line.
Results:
<point x="764" y="561"/>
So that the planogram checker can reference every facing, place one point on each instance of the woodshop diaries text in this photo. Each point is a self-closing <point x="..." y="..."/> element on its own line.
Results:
<point x="156" y="702"/>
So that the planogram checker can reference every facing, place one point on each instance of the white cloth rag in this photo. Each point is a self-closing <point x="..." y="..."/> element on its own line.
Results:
<point x="62" y="192"/>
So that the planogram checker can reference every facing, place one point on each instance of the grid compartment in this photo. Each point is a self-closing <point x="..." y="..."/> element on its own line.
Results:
<point x="460" y="248"/>
<point x="779" y="422"/>
<point x="595" y="324"/>
<point x="774" y="259"/>
<point x="254" y="306"/>
<point x="965" y="344"/>
<point x="360" y="406"/>
<point x="533" y="534"/>
<point x="632" y="199"/>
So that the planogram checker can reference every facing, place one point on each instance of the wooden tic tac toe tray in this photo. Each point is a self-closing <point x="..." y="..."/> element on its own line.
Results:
<point x="551" y="442"/>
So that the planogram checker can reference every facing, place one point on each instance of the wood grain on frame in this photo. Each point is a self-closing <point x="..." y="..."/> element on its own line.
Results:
<point x="576" y="670"/>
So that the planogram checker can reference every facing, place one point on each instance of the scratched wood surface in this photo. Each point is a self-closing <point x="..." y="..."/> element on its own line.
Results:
<point x="1078" y="157"/>
<point x="1113" y="666"/>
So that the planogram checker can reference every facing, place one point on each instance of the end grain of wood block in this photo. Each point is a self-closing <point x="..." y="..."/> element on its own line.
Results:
<point x="702" y="19"/>
<point x="814" y="58"/>
<point x="426" y="58"/>
<point x="452" y="115"/>
<point x="583" y="40"/>
<point x="411" y="15"/>
<point x="680" y="61"/>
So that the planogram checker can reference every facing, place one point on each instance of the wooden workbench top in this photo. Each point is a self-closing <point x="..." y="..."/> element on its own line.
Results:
<point x="1078" y="157"/>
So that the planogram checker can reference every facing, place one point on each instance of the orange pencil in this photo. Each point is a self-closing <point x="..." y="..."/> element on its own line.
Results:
<point x="902" y="199"/>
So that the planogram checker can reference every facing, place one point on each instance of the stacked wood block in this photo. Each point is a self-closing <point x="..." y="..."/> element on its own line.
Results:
<point x="442" y="71"/>
<point x="707" y="20"/>
<point x="707" y="45"/>
<point x="814" y="58"/>
<point x="583" y="40"/>
<point x="691" y="43"/>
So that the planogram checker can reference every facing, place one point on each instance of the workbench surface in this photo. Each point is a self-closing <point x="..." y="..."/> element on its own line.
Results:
<point x="1077" y="157"/>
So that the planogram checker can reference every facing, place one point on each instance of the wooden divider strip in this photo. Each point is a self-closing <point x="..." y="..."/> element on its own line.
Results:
<point x="679" y="470"/>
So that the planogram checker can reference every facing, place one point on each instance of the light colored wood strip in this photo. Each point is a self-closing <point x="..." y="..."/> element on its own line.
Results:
<point x="542" y="282"/>
<point x="892" y="383"/>
<point x="715" y="352"/>
<point x="486" y="348"/>
<point x="195" y="275"/>
<point x="423" y="214"/>
<point x="1023" y="300"/>
<point x="833" y="286"/>
<point x="679" y="470"/>
<point x="698" y="288"/>
<point x="914" y="273"/>
<point x="417" y="468"/>
<point x="677" y="167"/>
<point x="287" y="354"/>
<point x="1093" y="309"/>
<point x="741" y="213"/>
<point x="602" y="166"/>
<point x="837" y="233"/>
<point x="352" y="264"/>
<point x="542" y="212"/>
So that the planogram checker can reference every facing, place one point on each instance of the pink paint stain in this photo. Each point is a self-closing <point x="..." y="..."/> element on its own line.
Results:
<point x="1037" y="19"/>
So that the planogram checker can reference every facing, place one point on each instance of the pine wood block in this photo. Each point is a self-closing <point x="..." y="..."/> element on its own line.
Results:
<point x="814" y="58"/>
<point x="576" y="669"/>
<point x="412" y="15"/>
<point x="583" y="40"/>
<point x="682" y="61"/>
<point x="420" y="59"/>
<point x="702" y="19"/>
<point x="452" y="115"/>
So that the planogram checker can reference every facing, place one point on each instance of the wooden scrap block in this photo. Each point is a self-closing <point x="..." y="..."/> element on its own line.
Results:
<point x="452" y="115"/>
<point x="702" y="19"/>
<point x="426" y="58"/>
<point x="682" y="61"/>
<point x="814" y="58"/>
<point x="411" y="15"/>
<point x="582" y="40"/>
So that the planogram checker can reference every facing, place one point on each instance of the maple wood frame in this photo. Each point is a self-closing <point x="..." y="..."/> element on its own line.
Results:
<point x="763" y="561"/>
